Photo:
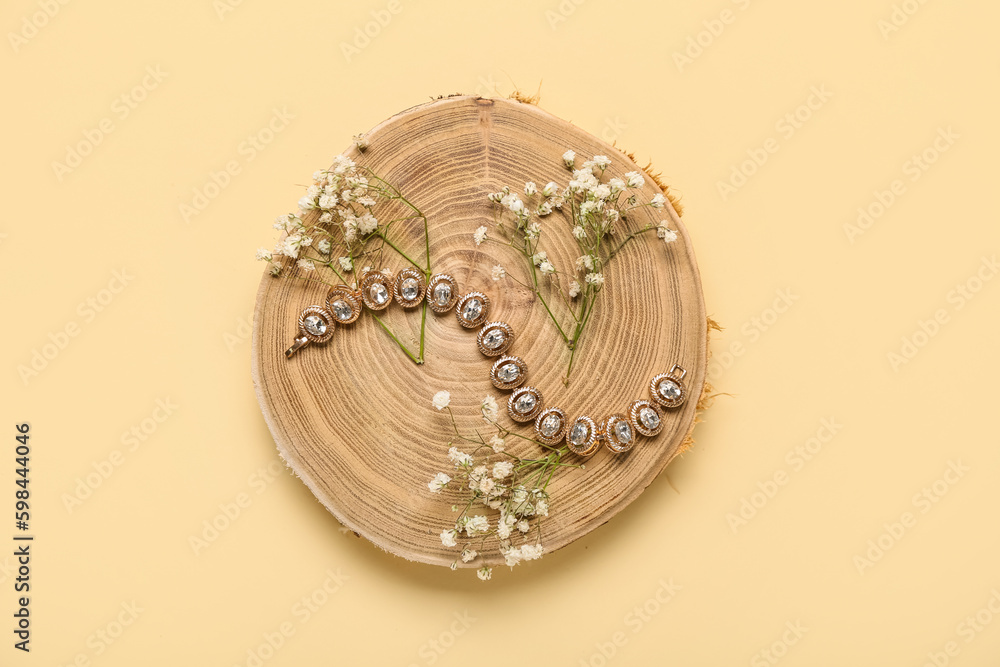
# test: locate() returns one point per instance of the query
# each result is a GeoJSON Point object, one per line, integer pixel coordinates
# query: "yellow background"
{"type": "Point", "coordinates": [177, 330]}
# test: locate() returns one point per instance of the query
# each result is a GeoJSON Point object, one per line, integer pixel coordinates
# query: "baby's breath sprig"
{"type": "Point", "coordinates": [488, 478]}
{"type": "Point", "coordinates": [597, 208]}
{"type": "Point", "coordinates": [336, 229]}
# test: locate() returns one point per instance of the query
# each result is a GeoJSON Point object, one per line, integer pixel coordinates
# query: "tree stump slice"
{"type": "Point", "coordinates": [353, 418]}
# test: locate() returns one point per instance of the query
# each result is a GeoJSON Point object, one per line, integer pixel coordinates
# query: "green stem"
{"type": "Point", "coordinates": [534, 278]}
{"type": "Point", "coordinates": [398, 342]}
{"type": "Point", "coordinates": [382, 235]}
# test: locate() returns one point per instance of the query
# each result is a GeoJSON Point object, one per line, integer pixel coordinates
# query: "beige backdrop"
{"type": "Point", "coordinates": [836, 164]}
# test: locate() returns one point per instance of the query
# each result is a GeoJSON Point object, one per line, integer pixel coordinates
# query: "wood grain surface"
{"type": "Point", "coordinates": [353, 418]}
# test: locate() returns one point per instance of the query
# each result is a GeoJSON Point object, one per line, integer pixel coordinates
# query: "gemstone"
{"type": "Point", "coordinates": [378, 293]}
{"type": "Point", "coordinates": [550, 425]}
{"type": "Point", "coordinates": [525, 403]}
{"type": "Point", "coordinates": [494, 338]}
{"type": "Point", "coordinates": [342, 310]}
{"type": "Point", "coordinates": [623, 431]}
{"type": "Point", "coordinates": [472, 310]}
{"type": "Point", "coordinates": [508, 373]}
{"type": "Point", "coordinates": [442, 293]}
{"type": "Point", "coordinates": [669, 390]}
{"type": "Point", "coordinates": [649, 418]}
{"type": "Point", "coordinates": [315, 325]}
{"type": "Point", "coordinates": [409, 289]}
{"type": "Point", "coordinates": [579, 434]}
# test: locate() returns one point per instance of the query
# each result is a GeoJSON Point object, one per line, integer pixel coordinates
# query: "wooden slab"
{"type": "Point", "coordinates": [353, 418]}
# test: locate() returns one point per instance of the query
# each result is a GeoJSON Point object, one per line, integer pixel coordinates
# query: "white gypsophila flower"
{"type": "Point", "coordinates": [263, 254]}
{"type": "Point", "coordinates": [519, 495]}
{"type": "Point", "coordinates": [453, 566]}
{"type": "Point", "coordinates": [531, 551]}
{"type": "Point", "coordinates": [574, 289]}
{"type": "Point", "coordinates": [512, 557]}
{"type": "Point", "coordinates": [487, 485]}
{"type": "Point", "coordinates": [658, 200]}
{"type": "Point", "coordinates": [306, 241]}
{"type": "Point", "coordinates": [499, 272]}
{"type": "Point", "coordinates": [307, 203]}
{"type": "Point", "coordinates": [550, 189]}
{"type": "Point", "coordinates": [328, 201]}
{"type": "Point", "coordinates": [587, 207]}
{"type": "Point", "coordinates": [458, 457]}
{"type": "Point", "coordinates": [448, 537]}
{"type": "Point", "coordinates": [545, 208]}
{"type": "Point", "coordinates": [326, 216]}
{"type": "Point", "coordinates": [469, 555]}
{"type": "Point", "coordinates": [323, 246]}
{"type": "Point", "coordinates": [485, 573]}
{"type": "Point", "coordinates": [539, 257]}
{"type": "Point", "coordinates": [438, 483]}
{"type": "Point", "coordinates": [530, 188]}
{"type": "Point", "coordinates": [290, 247]}
{"type": "Point", "coordinates": [542, 507]}
{"type": "Point", "coordinates": [350, 232]}
{"type": "Point", "coordinates": [602, 192]}
{"type": "Point", "coordinates": [585, 262]}
{"type": "Point", "coordinates": [616, 185]}
{"type": "Point", "coordinates": [361, 141]}
{"type": "Point", "coordinates": [546, 268]}
{"type": "Point", "coordinates": [668, 235]}
{"type": "Point", "coordinates": [477, 474]}
{"type": "Point", "coordinates": [479, 235]}
{"type": "Point", "coordinates": [497, 443]}
{"type": "Point", "coordinates": [569, 158]}
{"type": "Point", "coordinates": [441, 400]}
{"type": "Point", "coordinates": [305, 264]}
{"type": "Point", "coordinates": [523, 525]}
{"type": "Point", "coordinates": [579, 232]}
{"type": "Point", "coordinates": [367, 224]}
{"type": "Point", "coordinates": [602, 162]}
{"type": "Point", "coordinates": [502, 469]}
{"type": "Point", "coordinates": [635, 179]}
{"type": "Point", "coordinates": [276, 269]}
{"type": "Point", "coordinates": [477, 525]}
{"type": "Point", "coordinates": [532, 230]}
{"type": "Point", "coordinates": [489, 408]}
{"type": "Point", "coordinates": [346, 264]}
{"type": "Point", "coordinates": [596, 279]}
{"type": "Point", "coordinates": [366, 201]}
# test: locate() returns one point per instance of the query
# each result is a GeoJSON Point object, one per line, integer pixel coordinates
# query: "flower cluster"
{"type": "Point", "coordinates": [343, 198]}
{"type": "Point", "coordinates": [336, 226]}
{"type": "Point", "coordinates": [503, 497]}
{"type": "Point", "coordinates": [597, 206]}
